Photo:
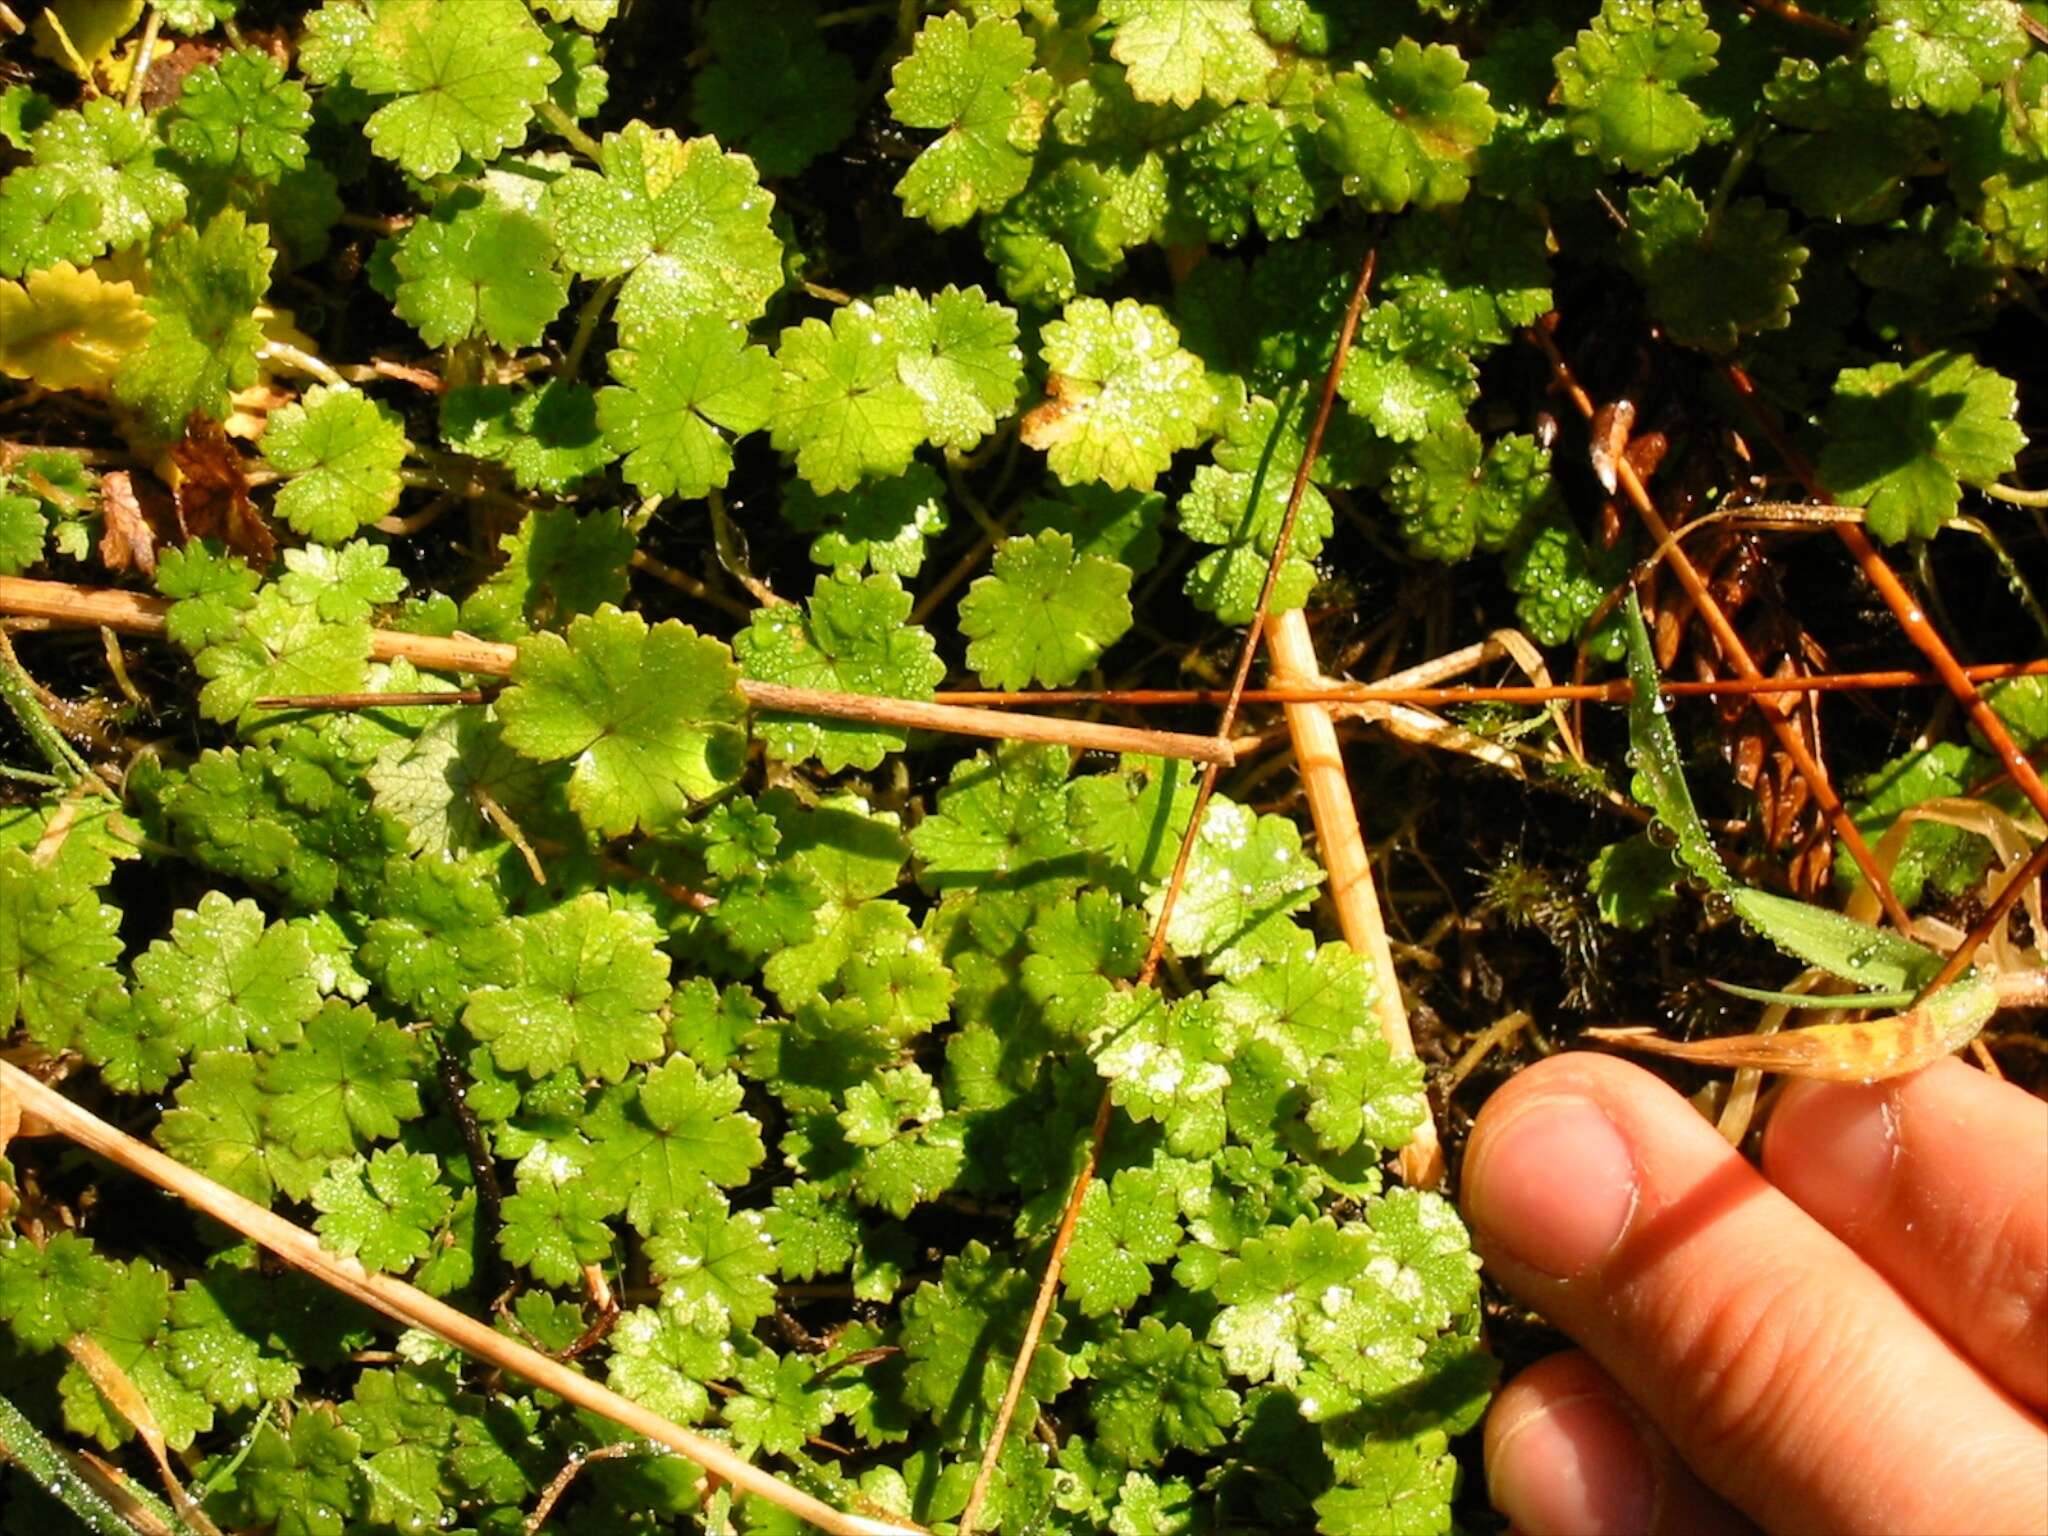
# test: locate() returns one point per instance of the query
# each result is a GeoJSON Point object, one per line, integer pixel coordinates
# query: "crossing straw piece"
{"type": "Point", "coordinates": [132, 613]}
{"type": "Point", "coordinates": [416, 1309]}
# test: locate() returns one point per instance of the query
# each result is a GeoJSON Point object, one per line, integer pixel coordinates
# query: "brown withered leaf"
{"type": "Point", "coordinates": [134, 520]}
{"type": "Point", "coordinates": [213, 494]}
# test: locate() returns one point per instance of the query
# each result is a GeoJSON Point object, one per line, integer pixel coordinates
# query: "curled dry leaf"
{"type": "Point", "coordinates": [129, 531]}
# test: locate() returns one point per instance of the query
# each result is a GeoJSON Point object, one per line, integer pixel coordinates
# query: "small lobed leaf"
{"type": "Point", "coordinates": [585, 991]}
{"type": "Point", "coordinates": [1903, 440]}
{"type": "Point", "coordinates": [383, 1211]}
{"type": "Point", "coordinates": [1122, 395]}
{"type": "Point", "coordinates": [884, 527]}
{"type": "Point", "coordinates": [65, 329]}
{"type": "Point", "coordinates": [773, 89]}
{"type": "Point", "coordinates": [205, 287]}
{"type": "Point", "coordinates": [1622, 82]}
{"type": "Point", "coordinates": [339, 452]}
{"type": "Point", "coordinates": [99, 181]}
{"type": "Point", "coordinates": [242, 117]}
{"type": "Point", "coordinates": [957, 351]}
{"type": "Point", "coordinates": [684, 390]}
{"type": "Point", "coordinates": [976, 82]}
{"type": "Point", "coordinates": [462, 80]}
{"type": "Point", "coordinates": [225, 980]}
{"type": "Point", "coordinates": [1456, 494]}
{"type": "Point", "coordinates": [853, 636]}
{"type": "Point", "coordinates": [549, 437]}
{"type": "Point", "coordinates": [1184, 53]}
{"type": "Point", "coordinates": [682, 223]}
{"type": "Point", "coordinates": [1045, 614]}
{"type": "Point", "coordinates": [1406, 131]}
{"type": "Point", "coordinates": [715, 1268]}
{"type": "Point", "coordinates": [1942, 55]}
{"type": "Point", "coordinates": [842, 405]}
{"type": "Point", "coordinates": [478, 268]}
{"type": "Point", "coordinates": [1713, 279]}
{"type": "Point", "coordinates": [649, 715]}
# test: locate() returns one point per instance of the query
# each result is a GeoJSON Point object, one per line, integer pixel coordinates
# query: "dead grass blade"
{"type": "Point", "coordinates": [414, 1308]}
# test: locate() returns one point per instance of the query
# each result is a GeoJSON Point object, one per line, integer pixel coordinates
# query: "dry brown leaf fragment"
{"type": "Point", "coordinates": [213, 494]}
{"type": "Point", "coordinates": [128, 538]}
{"type": "Point", "coordinates": [1052, 420]}
{"type": "Point", "coordinates": [1611, 426]}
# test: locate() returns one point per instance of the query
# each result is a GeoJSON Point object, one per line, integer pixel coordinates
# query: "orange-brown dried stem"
{"type": "Point", "coordinates": [1904, 606]}
{"type": "Point", "coordinates": [2001, 907]}
{"type": "Point", "coordinates": [1732, 648]}
{"type": "Point", "coordinates": [1616, 691]}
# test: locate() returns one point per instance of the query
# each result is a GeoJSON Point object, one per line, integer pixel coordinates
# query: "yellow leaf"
{"type": "Point", "coordinates": [79, 33]}
{"type": "Point", "coordinates": [68, 329]}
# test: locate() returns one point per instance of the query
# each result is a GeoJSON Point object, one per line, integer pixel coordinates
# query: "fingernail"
{"type": "Point", "coordinates": [1842, 1142]}
{"type": "Point", "coordinates": [1575, 1467]}
{"type": "Point", "coordinates": [1554, 1186]}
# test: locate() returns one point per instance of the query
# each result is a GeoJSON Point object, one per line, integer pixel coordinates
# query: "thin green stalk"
{"type": "Point", "coordinates": [18, 690]}
{"type": "Point", "coordinates": [29, 1449]}
{"type": "Point", "coordinates": [732, 553]}
{"type": "Point", "coordinates": [2017, 495]}
{"type": "Point", "coordinates": [145, 55]}
{"type": "Point", "coordinates": [224, 1473]}
{"type": "Point", "coordinates": [587, 320]}
{"type": "Point", "coordinates": [2015, 579]}
{"type": "Point", "coordinates": [569, 129]}
{"type": "Point", "coordinates": [1738, 162]}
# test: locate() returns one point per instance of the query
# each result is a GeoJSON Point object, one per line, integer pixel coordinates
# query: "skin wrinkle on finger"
{"type": "Point", "coordinates": [1808, 1384]}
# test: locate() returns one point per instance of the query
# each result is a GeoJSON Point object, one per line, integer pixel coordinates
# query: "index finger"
{"type": "Point", "coordinates": [1786, 1371]}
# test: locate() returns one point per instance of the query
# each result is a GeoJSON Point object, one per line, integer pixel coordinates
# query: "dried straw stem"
{"type": "Point", "coordinates": [1049, 1281]}
{"type": "Point", "coordinates": [414, 1308]}
{"type": "Point", "coordinates": [133, 613]}
{"type": "Point", "coordinates": [1342, 845]}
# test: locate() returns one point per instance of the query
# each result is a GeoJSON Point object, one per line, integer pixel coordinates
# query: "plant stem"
{"type": "Point", "coordinates": [29, 1449]}
{"type": "Point", "coordinates": [18, 691]}
{"type": "Point", "coordinates": [286, 355]}
{"type": "Point", "coordinates": [732, 552]}
{"type": "Point", "coordinates": [587, 319]}
{"type": "Point", "coordinates": [1726, 636]}
{"type": "Point", "coordinates": [132, 613]}
{"type": "Point", "coordinates": [569, 129]}
{"type": "Point", "coordinates": [2015, 578]}
{"type": "Point", "coordinates": [2017, 495]}
{"type": "Point", "coordinates": [145, 55]}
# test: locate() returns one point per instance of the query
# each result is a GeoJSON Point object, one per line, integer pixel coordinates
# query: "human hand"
{"type": "Point", "coordinates": [1857, 1343]}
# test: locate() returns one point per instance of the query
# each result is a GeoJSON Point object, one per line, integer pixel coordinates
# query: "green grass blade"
{"type": "Point", "coordinates": [1653, 753]}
